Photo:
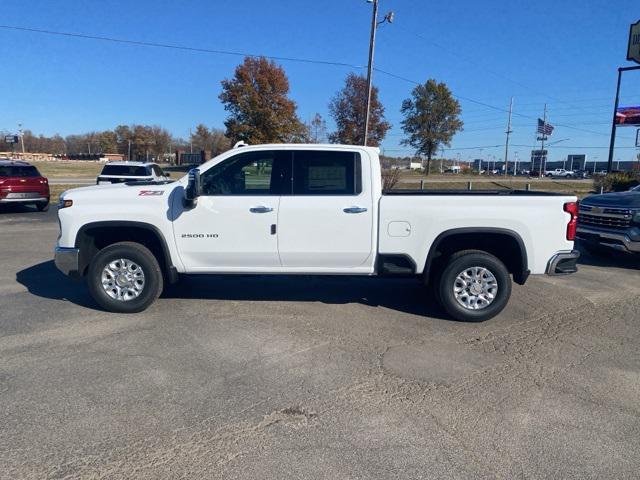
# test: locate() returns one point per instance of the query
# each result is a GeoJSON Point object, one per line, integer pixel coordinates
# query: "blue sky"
{"type": "Point", "coordinates": [564, 53]}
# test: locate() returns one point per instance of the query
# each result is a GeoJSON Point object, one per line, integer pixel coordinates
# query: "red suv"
{"type": "Point", "coordinates": [22, 183]}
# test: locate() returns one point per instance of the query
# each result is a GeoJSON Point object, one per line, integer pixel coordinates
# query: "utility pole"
{"type": "Point", "coordinates": [372, 45]}
{"type": "Point", "coordinates": [190, 142]}
{"type": "Point", "coordinates": [129, 151]}
{"type": "Point", "coordinates": [21, 136]}
{"type": "Point", "coordinates": [506, 145]}
{"type": "Point", "coordinates": [544, 128]}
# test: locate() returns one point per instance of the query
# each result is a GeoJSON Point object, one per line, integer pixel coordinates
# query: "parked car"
{"type": "Point", "coordinates": [311, 209]}
{"type": "Point", "coordinates": [21, 183]}
{"type": "Point", "coordinates": [120, 172]}
{"type": "Point", "coordinates": [610, 221]}
{"type": "Point", "coordinates": [582, 174]}
{"type": "Point", "coordinates": [559, 173]}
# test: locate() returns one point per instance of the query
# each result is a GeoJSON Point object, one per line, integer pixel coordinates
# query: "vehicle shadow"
{"type": "Point", "coordinates": [611, 259]}
{"type": "Point", "coordinates": [46, 281]}
{"type": "Point", "coordinates": [17, 208]}
{"type": "Point", "coordinates": [403, 295]}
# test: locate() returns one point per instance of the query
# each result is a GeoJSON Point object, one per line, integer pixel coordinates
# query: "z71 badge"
{"type": "Point", "coordinates": [148, 193]}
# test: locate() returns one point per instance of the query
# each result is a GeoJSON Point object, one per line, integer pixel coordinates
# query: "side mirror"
{"type": "Point", "coordinates": [167, 174]}
{"type": "Point", "coordinates": [192, 192]}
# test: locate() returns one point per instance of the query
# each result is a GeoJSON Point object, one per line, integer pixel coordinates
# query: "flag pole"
{"type": "Point", "coordinates": [544, 128]}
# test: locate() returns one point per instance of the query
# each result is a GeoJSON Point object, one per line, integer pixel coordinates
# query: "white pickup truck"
{"type": "Point", "coordinates": [310, 209]}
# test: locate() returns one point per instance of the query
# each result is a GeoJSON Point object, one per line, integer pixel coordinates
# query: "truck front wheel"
{"type": "Point", "coordinates": [474, 286]}
{"type": "Point", "coordinates": [125, 278]}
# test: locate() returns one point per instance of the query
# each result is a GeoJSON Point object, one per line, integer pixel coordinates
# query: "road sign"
{"type": "Point", "coordinates": [633, 52]}
{"type": "Point", "coordinates": [638, 138]}
{"type": "Point", "coordinates": [10, 139]}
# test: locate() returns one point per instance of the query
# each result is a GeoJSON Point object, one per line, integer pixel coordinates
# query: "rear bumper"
{"type": "Point", "coordinates": [617, 240]}
{"type": "Point", "coordinates": [563, 263]}
{"type": "Point", "coordinates": [24, 200]}
{"type": "Point", "coordinates": [67, 261]}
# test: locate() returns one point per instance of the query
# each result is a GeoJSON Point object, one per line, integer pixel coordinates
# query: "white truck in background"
{"type": "Point", "coordinates": [310, 209]}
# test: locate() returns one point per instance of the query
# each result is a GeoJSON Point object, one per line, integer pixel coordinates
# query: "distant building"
{"type": "Point", "coordinates": [415, 166]}
{"type": "Point", "coordinates": [576, 162]}
{"type": "Point", "coordinates": [538, 159]}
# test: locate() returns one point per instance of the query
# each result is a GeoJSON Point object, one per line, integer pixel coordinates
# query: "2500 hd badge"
{"type": "Point", "coordinates": [199, 235]}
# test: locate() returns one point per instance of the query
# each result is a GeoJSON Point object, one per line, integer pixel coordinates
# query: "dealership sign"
{"type": "Point", "coordinates": [633, 53]}
{"type": "Point", "coordinates": [11, 139]}
{"type": "Point", "coordinates": [628, 116]}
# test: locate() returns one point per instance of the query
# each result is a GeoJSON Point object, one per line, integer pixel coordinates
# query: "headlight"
{"type": "Point", "coordinates": [64, 203]}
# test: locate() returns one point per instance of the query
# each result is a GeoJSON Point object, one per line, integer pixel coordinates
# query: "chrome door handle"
{"type": "Point", "coordinates": [354, 210]}
{"type": "Point", "coordinates": [261, 209]}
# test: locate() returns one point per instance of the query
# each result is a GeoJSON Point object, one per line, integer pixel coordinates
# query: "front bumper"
{"type": "Point", "coordinates": [563, 263]}
{"type": "Point", "coordinates": [67, 261]}
{"type": "Point", "coordinates": [616, 240]}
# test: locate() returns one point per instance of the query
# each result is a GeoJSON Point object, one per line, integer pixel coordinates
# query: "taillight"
{"type": "Point", "coordinates": [572, 209]}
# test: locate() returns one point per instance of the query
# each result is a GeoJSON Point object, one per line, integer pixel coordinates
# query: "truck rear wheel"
{"type": "Point", "coordinates": [474, 286]}
{"type": "Point", "coordinates": [125, 278]}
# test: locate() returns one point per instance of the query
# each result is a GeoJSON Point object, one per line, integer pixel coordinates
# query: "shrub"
{"type": "Point", "coordinates": [390, 178]}
{"type": "Point", "coordinates": [616, 182]}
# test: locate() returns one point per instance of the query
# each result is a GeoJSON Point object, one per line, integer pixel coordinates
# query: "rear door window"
{"type": "Point", "coordinates": [327, 173]}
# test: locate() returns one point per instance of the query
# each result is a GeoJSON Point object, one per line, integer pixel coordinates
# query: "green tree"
{"type": "Point", "coordinates": [347, 108]}
{"type": "Point", "coordinates": [260, 110]}
{"type": "Point", "coordinates": [431, 119]}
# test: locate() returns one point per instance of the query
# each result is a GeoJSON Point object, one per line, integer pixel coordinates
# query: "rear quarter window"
{"type": "Point", "coordinates": [327, 173]}
{"type": "Point", "coordinates": [126, 170]}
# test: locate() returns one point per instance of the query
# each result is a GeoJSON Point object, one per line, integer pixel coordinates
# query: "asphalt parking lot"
{"type": "Point", "coordinates": [262, 377]}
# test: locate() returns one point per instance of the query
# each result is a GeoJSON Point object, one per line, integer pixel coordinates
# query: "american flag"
{"type": "Point", "coordinates": [544, 128]}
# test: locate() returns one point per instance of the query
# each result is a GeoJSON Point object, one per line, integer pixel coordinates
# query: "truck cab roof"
{"type": "Point", "coordinates": [132, 164]}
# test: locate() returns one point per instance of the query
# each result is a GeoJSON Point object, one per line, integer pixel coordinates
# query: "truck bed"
{"type": "Point", "coordinates": [517, 193]}
{"type": "Point", "coordinates": [411, 220]}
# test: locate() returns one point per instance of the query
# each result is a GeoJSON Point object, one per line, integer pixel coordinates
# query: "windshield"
{"type": "Point", "coordinates": [126, 170]}
{"type": "Point", "coordinates": [18, 171]}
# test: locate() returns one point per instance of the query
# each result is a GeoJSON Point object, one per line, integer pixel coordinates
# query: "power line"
{"type": "Point", "coordinates": [493, 107]}
{"type": "Point", "coordinates": [444, 149]}
{"type": "Point", "coordinates": [457, 54]}
{"type": "Point", "coordinates": [254, 55]}
{"type": "Point", "coordinates": [178, 47]}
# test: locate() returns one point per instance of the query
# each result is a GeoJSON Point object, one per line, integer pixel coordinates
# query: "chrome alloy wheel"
{"type": "Point", "coordinates": [475, 288]}
{"type": "Point", "coordinates": [123, 279]}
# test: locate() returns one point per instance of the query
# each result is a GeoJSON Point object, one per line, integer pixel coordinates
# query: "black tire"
{"type": "Point", "coordinates": [42, 206]}
{"type": "Point", "coordinates": [144, 259]}
{"type": "Point", "coordinates": [457, 264]}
